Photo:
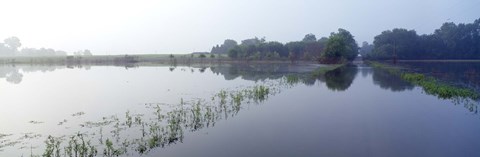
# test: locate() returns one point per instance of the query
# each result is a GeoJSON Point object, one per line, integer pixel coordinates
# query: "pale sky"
{"type": "Point", "coordinates": [183, 26]}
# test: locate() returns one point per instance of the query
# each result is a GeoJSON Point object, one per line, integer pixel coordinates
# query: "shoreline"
{"type": "Point", "coordinates": [433, 60]}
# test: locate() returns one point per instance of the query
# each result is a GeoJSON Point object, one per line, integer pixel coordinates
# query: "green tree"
{"type": "Point", "coordinates": [335, 46]}
{"type": "Point", "coordinates": [309, 38]}
{"type": "Point", "coordinates": [340, 46]}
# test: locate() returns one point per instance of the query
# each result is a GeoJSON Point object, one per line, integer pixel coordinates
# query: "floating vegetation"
{"type": "Point", "coordinates": [62, 122]}
{"type": "Point", "coordinates": [78, 114]}
{"type": "Point", "coordinates": [8, 143]}
{"type": "Point", "coordinates": [4, 135]}
{"type": "Point", "coordinates": [35, 122]}
{"type": "Point", "coordinates": [30, 135]}
{"type": "Point", "coordinates": [441, 90]}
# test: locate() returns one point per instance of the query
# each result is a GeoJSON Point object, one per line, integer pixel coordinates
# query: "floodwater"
{"type": "Point", "coordinates": [228, 110]}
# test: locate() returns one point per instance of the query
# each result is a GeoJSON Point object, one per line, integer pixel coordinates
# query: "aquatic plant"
{"type": "Point", "coordinates": [78, 114]}
{"type": "Point", "coordinates": [292, 79]}
{"type": "Point", "coordinates": [260, 92]}
{"type": "Point", "coordinates": [434, 87]}
{"type": "Point", "coordinates": [162, 128]}
{"type": "Point", "coordinates": [430, 85]}
{"type": "Point", "coordinates": [52, 147]}
{"type": "Point", "coordinates": [129, 119]}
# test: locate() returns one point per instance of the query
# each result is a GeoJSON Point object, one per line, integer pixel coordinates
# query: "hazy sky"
{"type": "Point", "coordinates": [183, 26]}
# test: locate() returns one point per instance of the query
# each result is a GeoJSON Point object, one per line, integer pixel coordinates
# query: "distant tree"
{"type": "Point", "coordinates": [253, 41]}
{"type": "Point", "coordinates": [224, 48]}
{"type": "Point", "coordinates": [450, 41]}
{"type": "Point", "coordinates": [202, 56]}
{"type": "Point", "coordinates": [309, 38]}
{"type": "Point", "coordinates": [404, 42]}
{"type": "Point", "coordinates": [235, 52]}
{"type": "Point", "coordinates": [87, 53]}
{"type": "Point", "coordinates": [13, 43]}
{"type": "Point", "coordinates": [366, 48]}
{"type": "Point", "coordinates": [296, 49]}
{"type": "Point", "coordinates": [323, 40]}
{"type": "Point", "coordinates": [5, 50]}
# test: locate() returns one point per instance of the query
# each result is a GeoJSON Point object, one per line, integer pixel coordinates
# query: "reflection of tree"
{"type": "Point", "coordinates": [14, 77]}
{"type": "Point", "coordinates": [388, 81]}
{"type": "Point", "coordinates": [254, 72]}
{"type": "Point", "coordinates": [463, 74]}
{"type": "Point", "coordinates": [341, 78]}
{"type": "Point", "coordinates": [365, 71]}
{"type": "Point", "coordinates": [14, 73]}
{"type": "Point", "coordinates": [11, 73]}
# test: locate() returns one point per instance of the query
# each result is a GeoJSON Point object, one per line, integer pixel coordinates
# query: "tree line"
{"type": "Point", "coordinates": [10, 47]}
{"type": "Point", "coordinates": [338, 47]}
{"type": "Point", "coordinates": [450, 41]}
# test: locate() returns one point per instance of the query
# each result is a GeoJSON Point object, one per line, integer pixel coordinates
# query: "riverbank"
{"type": "Point", "coordinates": [426, 61]}
{"type": "Point", "coordinates": [141, 59]}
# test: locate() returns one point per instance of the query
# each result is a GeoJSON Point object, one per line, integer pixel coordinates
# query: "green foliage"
{"type": "Point", "coordinates": [335, 46]}
{"type": "Point", "coordinates": [340, 46]}
{"type": "Point", "coordinates": [260, 92]}
{"type": "Point", "coordinates": [434, 87]}
{"type": "Point", "coordinates": [309, 38]}
{"type": "Point", "coordinates": [429, 84]}
{"type": "Point", "coordinates": [77, 146]}
{"type": "Point", "coordinates": [52, 147]}
{"type": "Point", "coordinates": [366, 48]}
{"type": "Point", "coordinates": [450, 41]}
{"type": "Point", "coordinates": [225, 47]}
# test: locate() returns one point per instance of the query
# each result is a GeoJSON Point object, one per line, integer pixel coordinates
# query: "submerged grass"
{"type": "Point", "coordinates": [163, 128]}
{"type": "Point", "coordinates": [430, 85]}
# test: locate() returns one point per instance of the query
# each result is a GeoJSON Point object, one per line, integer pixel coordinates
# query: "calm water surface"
{"type": "Point", "coordinates": [224, 110]}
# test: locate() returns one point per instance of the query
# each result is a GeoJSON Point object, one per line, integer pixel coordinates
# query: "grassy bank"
{"type": "Point", "coordinates": [141, 59]}
{"type": "Point", "coordinates": [430, 85]}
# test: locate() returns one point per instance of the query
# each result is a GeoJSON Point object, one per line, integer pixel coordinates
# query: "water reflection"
{"type": "Point", "coordinates": [464, 74]}
{"type": "Point", "coordinates": [138, 133]}
{"type": "Point", "coordinates": [390, 82]}
{"type": "Point", "coordinates": [14, 73]}
{"type": "Point", "coordinates": [341, 78]}
{"type": "Point", "coordinates": [135, 132]}
{"type": "Point", "coordinates": [11, 74]}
